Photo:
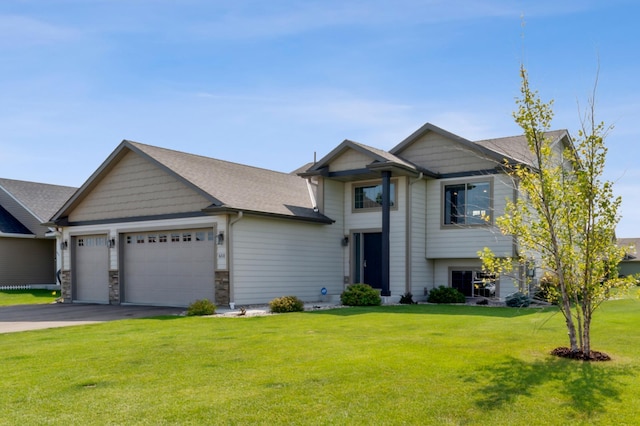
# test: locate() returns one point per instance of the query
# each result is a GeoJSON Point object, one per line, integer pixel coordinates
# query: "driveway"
{"type": "Point", "coordinates": [34, 317]}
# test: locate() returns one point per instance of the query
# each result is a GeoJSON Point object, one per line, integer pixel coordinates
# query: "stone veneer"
{"type": "Point", "coordinates": [222, 288]}
{"type": "Point", "coordinates": [65, 286]}
{"type": "Point", "coordinates": [114, 287]}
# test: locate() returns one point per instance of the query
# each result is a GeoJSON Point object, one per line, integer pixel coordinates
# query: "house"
{"type": "Point", "coordinates": [157, 226]}
{"type": "Point", "coordinates": [630, 264]}
{"type": "Point", "coordinates": [27, 249]}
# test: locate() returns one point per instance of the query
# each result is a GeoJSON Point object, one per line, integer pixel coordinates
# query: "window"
{"type": "Point", "coordinates": [199, 236]}
{"type": "Point", "coordinates": [186, 236]}
{"type": "Point", "coordinates": [369, 196]}
{"type": "Point", "coordinates": [139, 239]}
{"type": "Point", "coordinates": [175, 237]}
{"type": "Point", "coordinates": [152, 238]}
{"type": "Point", "coordinates": [162, 238]}
{"type": "Point", "coordinates": [80, 242]}
{"type": "Point", "coordinates": [467, 203]}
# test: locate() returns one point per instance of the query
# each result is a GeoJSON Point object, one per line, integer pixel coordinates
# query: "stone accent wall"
{"type": "Point", "coordinates": [114, 287]}
{"type": "Point", "coordinates": [65, 286]}
{"type": "Point", "coordinates": [222, 288]}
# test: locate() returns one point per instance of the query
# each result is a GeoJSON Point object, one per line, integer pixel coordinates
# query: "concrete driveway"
{"type": "Point", "coordinates": [34, 317]}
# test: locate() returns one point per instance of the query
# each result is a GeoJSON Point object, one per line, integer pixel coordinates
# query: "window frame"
{"type": "Point", "coordinates": [466, 182]}
{"type": "Point", "coordinates": [373, 183]}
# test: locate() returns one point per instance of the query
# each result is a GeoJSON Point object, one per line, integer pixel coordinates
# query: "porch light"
{"type": "Point", "coordinates": [64, 245]}
{"type": "Point", "coordinates": [345, 241]}
{"type": "Point", "coordinates": [111, 243]}
{"type": "Point", "coordinates": [220, 238]}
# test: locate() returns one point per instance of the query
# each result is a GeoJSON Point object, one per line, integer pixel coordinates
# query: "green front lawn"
{"type": "Point", "coordinates": [419, 364]}
{"type": "Point", "coordinates": [27, 297]}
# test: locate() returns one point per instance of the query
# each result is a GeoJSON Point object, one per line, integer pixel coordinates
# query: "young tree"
{"type": "Point", "coordinates": [564, 218]}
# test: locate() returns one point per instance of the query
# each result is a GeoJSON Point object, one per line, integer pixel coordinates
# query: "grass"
{"type": "Point", "coordinates": [411, 364]}
{"type": "Point", "coordinates": [27, 297]}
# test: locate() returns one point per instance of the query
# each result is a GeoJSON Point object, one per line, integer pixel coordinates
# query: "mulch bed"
{"type": "Point", "coordinates": [580, 355]}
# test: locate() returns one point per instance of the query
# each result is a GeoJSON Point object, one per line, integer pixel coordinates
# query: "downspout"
{"type": "Point", "coordinates": [409, 234]}
{"type": "Point", "coordinates": [230, 256]}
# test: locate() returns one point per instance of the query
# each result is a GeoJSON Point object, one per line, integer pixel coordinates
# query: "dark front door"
{"type": "Point", "coordinates": [463, 282]}
{"type": "Point", "coordinates": [372, 259]}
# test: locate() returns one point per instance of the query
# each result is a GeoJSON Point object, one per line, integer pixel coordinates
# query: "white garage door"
{"type": "Point", "coordinates": [91, 269]}
{"type": "Point", "coordinates": [171, 268]}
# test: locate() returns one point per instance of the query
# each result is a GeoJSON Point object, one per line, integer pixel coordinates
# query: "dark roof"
{"type": "Point", "coordinates": [517, 147]}
{"type": "Point", "coordinates": [11, 225]}
{"type": "Point", "coordinates": [631, 246]}
{"type": "Point", "coordinates": [40, 199]}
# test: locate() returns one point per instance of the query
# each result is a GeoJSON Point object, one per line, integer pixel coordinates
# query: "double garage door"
{"type": "Point", "coordinates": [168, 268]}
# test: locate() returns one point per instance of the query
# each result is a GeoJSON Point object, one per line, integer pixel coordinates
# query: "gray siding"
{"type": "Point", "coordinates": [27, 261]}
{"type": "Point", "coordinates": [442, 155]}
{"type": "Point", "coordinates": [273, 258]}
{"type": "Point", "coordinates": [350, 160]}
{"type": "Point", "coordinates": [136, 187]}
{"type": "Point", "coordinates": [421, 270]}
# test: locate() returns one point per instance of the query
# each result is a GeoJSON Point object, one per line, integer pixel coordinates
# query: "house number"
{"type": "Point", "coordinates": [220, 255]}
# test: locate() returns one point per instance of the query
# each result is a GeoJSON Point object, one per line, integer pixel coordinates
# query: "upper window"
{"type": "Point", "coordinates": [369, 196]}
{"type": "Point", "coordinates": [467, 203]}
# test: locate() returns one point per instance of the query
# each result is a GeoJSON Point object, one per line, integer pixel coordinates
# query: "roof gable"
{"type": "Point", "coordinates": [517, 149]}
{"type": "Point", "coordinates": [224, 185]}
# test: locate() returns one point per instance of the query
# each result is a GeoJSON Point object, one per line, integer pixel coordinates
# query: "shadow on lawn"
{"type": "Point", "coordinates": [432, 309]}
{"type": "Point", "coordinates": [588, 386]}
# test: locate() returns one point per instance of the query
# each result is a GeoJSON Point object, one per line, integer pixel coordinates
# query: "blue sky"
{"type": "Point", "coordinates": [270, 83]}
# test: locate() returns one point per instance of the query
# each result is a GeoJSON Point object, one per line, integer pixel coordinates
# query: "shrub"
{"type": "Point", "coordinates": [285, 304]}
{"type": "Point", "coordinates": [518, 300]}
{"type": "Point", "coordinates": [547, 289]}
{"type": "Point", "coordinates": [444, 294]}
{"type": "Point", "coordinates": [407, 299]}
{"type": "Point", "coordinates": [201, 307]}
{"type": "Point", "coordinates": [360, 295]}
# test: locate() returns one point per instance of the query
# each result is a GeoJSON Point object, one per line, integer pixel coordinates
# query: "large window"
{"type": "Point", "coordinates": [467, 203]}
{"type": "Point", "coordinates": [369, 196]}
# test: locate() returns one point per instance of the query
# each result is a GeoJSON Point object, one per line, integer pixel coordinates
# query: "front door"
{"type": "Point", "coordinates": [367, 257]}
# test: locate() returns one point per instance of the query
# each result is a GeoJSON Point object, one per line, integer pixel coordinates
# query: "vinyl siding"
{"type": "Point", "coordinates": [333, 200]}
{"type": "Point", "coordinates": [442, 155]}
{"type": "Point", "coordinates": [136, 187]}
{"type": "Point", "coordinates": [27, 261]}
{"type": "Point", "coordinates": [465, 242]}
{"type": "Point", "coordinates": [350, 160]}
{"type": "Point", "coordinates": [274, 258]}
{"type": "Point", "coordinates": [421, 270]}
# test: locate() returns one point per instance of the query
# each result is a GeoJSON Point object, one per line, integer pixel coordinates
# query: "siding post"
{"type": "Point", "coordinates": [386, 215]}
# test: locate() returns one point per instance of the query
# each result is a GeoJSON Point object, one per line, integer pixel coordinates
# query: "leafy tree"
{"type": "Point", "coordinates": [565, 216]}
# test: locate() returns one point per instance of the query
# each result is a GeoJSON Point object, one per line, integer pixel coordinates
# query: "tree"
{"type": "Point", "coordinates": [564, 217]}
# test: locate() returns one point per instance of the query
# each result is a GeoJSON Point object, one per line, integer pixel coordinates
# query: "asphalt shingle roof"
{"type": "Point", "coordinates": [238, 186]}
{"type": "Point", "coordinates": [41, 199]}
{"type": "Point", "coordinates": [515, 147]}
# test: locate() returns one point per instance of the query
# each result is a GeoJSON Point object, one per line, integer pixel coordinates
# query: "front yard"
{"type": "Point", "coordinates": [27, 297]}
{"type": "Point", "coordinates": [418, 364]}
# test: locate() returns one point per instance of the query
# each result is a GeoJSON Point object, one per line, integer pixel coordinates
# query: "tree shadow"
{"type": "Point", "coordinates": [433, 309]}
{"type": "Point", "coordinates": [589, 386]}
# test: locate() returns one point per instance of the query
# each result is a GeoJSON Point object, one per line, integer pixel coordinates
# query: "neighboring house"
{"type": "Point", "coordinates": [156, 226]}
{"type": "Point", "coordinates": [28, 249]}
{"type": "Point", "coordinates": [630, 265]}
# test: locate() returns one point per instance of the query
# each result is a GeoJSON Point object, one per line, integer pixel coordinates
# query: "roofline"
{"type": "Point", "coordinates": [105, 166]}
{"type": "Point", "coordinates": [428, 127]}
{"type": "Point", "coordinates": [215, 210]}
{"type": "Point", "coordinates": [20, 203]}
{"type": "Point", "coordinates": [339, 149]}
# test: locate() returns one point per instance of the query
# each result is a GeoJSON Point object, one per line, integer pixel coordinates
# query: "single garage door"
{"type": "Point", "coordinates": [171, 268]}
{"type": "Point", "coordinates": [91, 269]}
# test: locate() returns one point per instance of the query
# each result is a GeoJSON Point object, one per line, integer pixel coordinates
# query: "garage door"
{"type": "Point", "coordinates": [169, 268]}
{"type": "Point", "coordinates": [91, 269]}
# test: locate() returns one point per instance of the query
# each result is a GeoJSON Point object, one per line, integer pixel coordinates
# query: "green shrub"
{"type": "Point", "coordinates": [360, 295]}
{"type": "Point", "coordinates": [201, 307]}
{"type": "Point", "coordinates": [517, 300]}
{"type": "Point", "coordinates": [286, 304]}
{"type": "Point", "coordinates": [444, 294]}
{"type": "Point", "coordinates": [407, 299]}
